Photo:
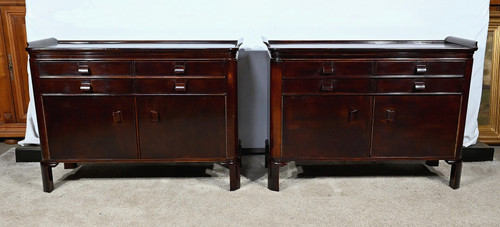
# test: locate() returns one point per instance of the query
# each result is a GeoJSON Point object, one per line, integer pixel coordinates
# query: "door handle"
{"type": "Point", "coordinates": [389, 115]}
{"type": "Point", "coordinates": [154, 115]}
{"type": "Point", "coordinates": [353, 114]}
{"type": "Point", "coordinates": [117, 116]}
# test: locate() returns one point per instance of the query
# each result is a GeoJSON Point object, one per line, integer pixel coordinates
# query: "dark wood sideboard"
{"type": "Point", "coordinates": [135, 102]}
{"type": "Point", "coordinates": [368, 101]}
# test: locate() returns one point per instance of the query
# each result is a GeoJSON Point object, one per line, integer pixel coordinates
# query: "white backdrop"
{"type": "Point", "coordinates": [279, 19]}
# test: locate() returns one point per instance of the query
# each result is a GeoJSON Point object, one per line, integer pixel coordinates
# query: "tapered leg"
{"type": "Point", "coordinates": [456, 174]}
{"type": "Point", "coordinates": [273, 174]}
{"type": "Point", "coordinates": [234, 173]}
{"type": "Point", "coordinates": [70, 165]}
{"type": "Point", "coordinates": [432, 163]}
{"type": "Point", "coordinates": [47, 179]}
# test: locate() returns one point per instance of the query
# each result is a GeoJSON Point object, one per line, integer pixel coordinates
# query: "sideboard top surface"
{"type": "Point", "coordinates": [131, 45]}
{"type": "Point", "coordinates": [450, 44]}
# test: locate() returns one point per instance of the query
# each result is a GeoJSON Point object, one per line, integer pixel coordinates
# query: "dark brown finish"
{"type": "Point", "coordinates": [14, 94]}
{"type": "Point", "coordinates": [70, 165]}
{"type": "Point", "coordinates": [136, 101]}
{"type": "Point", "coordinates": [368, 101]}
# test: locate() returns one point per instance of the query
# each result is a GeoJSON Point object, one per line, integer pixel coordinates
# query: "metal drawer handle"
{"type": "Point", "coordinates": [180, 86]}
{"type": "Point", "coordinates": [327, 68]}
{"type": "Point", "coordinates": [84, 69]}
{"type": "Point", "coordinates": [421, 69]}
{"type": "Point", "coordinates": [179, 68]}
{"type": "Point", "coordinates": [419, 86]}
{"type": "Point", "coordinates": [154, 115]}
{"type": "Point", "coordinates": [86, 86]}
{"type": "Point", "coordinates": [117, 116]}
{"type": "Point", "coordinates": [389, 115]}
{"type": "Point", "coordinates": [327, 85]}
{"type": "Point", "coordinates": [353, 114]}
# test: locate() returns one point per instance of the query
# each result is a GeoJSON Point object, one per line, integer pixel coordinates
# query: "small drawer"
{"type": "Point", "coordinates": [82, 86]}
{"type": "Point", "coordinates": [180, 68]}
{"type": "Point", "coordinates": [419, 85]}
{"type": "Point", "coordinates": [191, 86]}
{"type": "Point", "coordinates": [327, 68]}
{"type": "Point", "coordinates": [327, 85]}
{"type": "Point", "coordinates": [420, 68]}
{"type": "Point", "coordinates": [85, 68]}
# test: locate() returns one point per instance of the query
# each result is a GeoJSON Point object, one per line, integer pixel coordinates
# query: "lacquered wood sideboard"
{"type": "Point", "coordinates": [368, 101]}
{"type": "Point", "coordinates": [135, 102]}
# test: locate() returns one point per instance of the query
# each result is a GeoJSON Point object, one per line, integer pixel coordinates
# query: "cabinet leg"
{"type": "Point", "coordinates": [266, 153]}
{"type": "Point", "coordinates": [47, 179]}
{"type": "Point", "coordinates": [70, 165]}
{"type": "Point", "coordinates": [432, 162]}
{"type": "Point", "coordinates": [456, 174]}
{"type": "Point", "coordinates": [273, 174]}
{"type": "Point", "coordinates": [234, 174]}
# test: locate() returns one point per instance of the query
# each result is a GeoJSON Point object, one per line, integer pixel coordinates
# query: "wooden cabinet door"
{"type": "Point", "coordinates": [14, 30]}
{"type": "Point", "coordinates": [90, 127]}
{"type": "Point", "coordinates": [326, 126]}
{"type": "Point", "coordinates": [415, 126]}
{"type": "Point", "coordinates": [182, 126]}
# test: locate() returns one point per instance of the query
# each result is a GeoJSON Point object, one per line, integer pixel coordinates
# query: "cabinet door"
{"type": "Point", "coordinates": [182, 126]}
{"type": "Point", "coordinates": [415, 126]}
{"type": "Point", "coordinates": [326, 126]}
{"type": "Point", "coordinates": [90, 127]}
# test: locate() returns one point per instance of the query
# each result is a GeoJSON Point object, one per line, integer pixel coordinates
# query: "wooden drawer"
{"type": "Point", "coordinates": [327, 85]}
{"type": "Point", "coordinates": [420, 67]}
{"type": "Point", "coordinates": [192, 86]}
{"type": "Point", "coordinates": [80, 86]}
{"type": "Point", "coordinates": [180, 68]}
{"type": "Point", "coordinates": [419, 85]}
{"type": "Point", "coordinates": [79, 68]}
{"type": "Point", "coordinates": [327, 68]}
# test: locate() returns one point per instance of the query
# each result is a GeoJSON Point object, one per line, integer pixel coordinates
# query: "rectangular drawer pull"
{"type": "Point", "coordinates": [154, 115]}
{"type": "Point", "coordinates": [180, 86]}
{"type": "Point", "coordinates": [389, 115]}
{"type": "Point", "coordinates": [327, 85]}
{"type": "Point", "coordinates": [353, 114]}
{"type": "Point", "coordinates": [84, 69]}
{"type": "Point", "coordinates": [421, 69]}
{"type": "Point", "coordinates": [327, 68]}
{"type": "Point", "coordinates": [179, 68]}
{"type": "Point", "coordinates": [419, 86]}
{"type": "Point", "coordinates": [117, 116]}
{"type": "Point", "coordinates": [86, 87]}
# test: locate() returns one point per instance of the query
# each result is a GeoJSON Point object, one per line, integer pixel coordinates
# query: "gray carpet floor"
{"type": "Point", "coordinates": [369, 194]}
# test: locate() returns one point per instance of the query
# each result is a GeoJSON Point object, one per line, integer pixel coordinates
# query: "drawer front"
{"type": "Point", "coordinates": [420, 68]}
{"type": "Point", "coordinates": [180, 68]}
{"type": "Point", "coordinates": [81, 86]}
{"type": "Point", "coordinates": [327, 68]}
{"type": "Point", "coordinates": [83, 68]}
{"type": "Point", "coordinates": [327, 85]}
{"type": "Point", "coordinates": [419, 85]}
{"type": "Point", "coordinates": [193, 86]}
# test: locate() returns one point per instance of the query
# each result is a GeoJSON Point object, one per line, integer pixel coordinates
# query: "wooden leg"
{"type": "Point", "coordinates": [273, 175]}
{"type": "Point", "coordinates": [266, 153]}
{"type": "Point", "coordinates": [456, 174]}
{"type": "Point", "coordinates": [70, 165]}
{"type": "Point", "coordinates": [47, 179]}
{"type": "Point", "coordinates": [234, 174]}
{"type": "Point", "coordinates": [432, 162]}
